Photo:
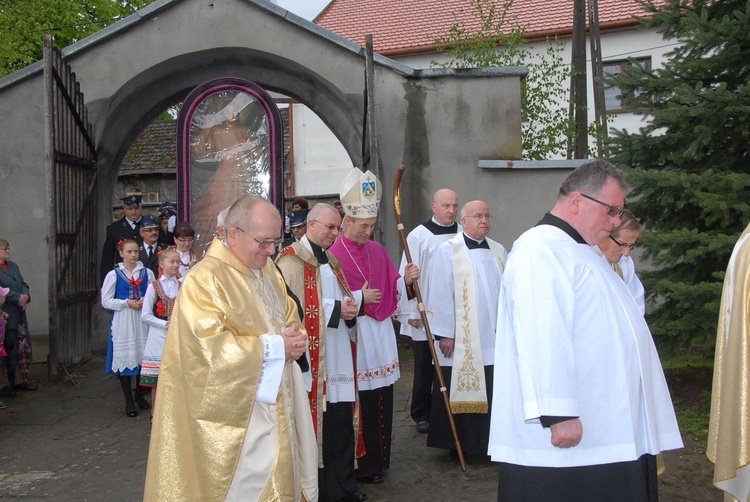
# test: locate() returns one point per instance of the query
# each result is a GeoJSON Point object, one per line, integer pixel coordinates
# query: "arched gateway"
{"type": "Point", "coordinates": [437, 122]}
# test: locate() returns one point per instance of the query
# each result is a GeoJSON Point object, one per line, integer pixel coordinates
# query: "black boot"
{"type": "Point", "coordinates": [129, 402]}
{"type": "Point", "coordinates": [139, 399]}
{"type": "Point", "coordinates": [139, 392]}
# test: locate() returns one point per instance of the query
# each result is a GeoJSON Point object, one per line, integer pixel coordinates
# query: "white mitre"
{"type": "Point", "coordinates": [360, 194]}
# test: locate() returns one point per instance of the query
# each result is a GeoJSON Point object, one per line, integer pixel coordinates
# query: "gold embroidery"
{"type": "Point", "coordinates": [468, 376]}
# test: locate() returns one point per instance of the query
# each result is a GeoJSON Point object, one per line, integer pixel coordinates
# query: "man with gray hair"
{"type": "Point", "coordinates": [581, 407]}
{"type": "Point", "coordinates": [314, 275]}
{"type": "Point", "coordinates": [233, 421]}
{"type": "Point", "coordinates": [464, 285]}
{"type": "Point", "coordinates": [221, 229]}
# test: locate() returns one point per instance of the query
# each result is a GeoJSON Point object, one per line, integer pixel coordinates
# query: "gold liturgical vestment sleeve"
{"type": "Point", "coordinates": [209, 376]}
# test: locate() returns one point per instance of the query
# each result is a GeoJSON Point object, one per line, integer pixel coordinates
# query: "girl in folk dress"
{"type": "Point", "coordinates": [157, 309]}
{"type": "Point", "coordinates": [122, 292]}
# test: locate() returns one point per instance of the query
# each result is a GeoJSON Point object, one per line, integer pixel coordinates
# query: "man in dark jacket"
{"type": "Point", "coordinates": [126, 227]}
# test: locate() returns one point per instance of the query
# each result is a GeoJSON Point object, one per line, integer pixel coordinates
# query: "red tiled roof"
{"type": "Point", "coordinates": [403, 27]}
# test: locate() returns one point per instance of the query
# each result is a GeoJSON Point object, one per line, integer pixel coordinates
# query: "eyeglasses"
{"type": "Point", "coordinates": [265, 242]}
{"type": "Point", "coordinates": [184, 240]}
{"type": "Point", "coordinates": [611, 210]}
{"type": "Point", "coordinates": [622, 244]}
{"type": "Point", "coordinates": [480, 217]}
{"type": "Point", "coordinates": [329, 226]}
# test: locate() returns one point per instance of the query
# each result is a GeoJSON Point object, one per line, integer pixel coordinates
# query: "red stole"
{"type": "Point", "coordinates": [312, 326]}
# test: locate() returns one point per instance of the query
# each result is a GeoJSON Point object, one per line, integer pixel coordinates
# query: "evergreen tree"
{"type": "Point", "coordinates": [23, 24]}
{"type": "Point", "coordinates": [689, 166]}
{"type": "Point", "coordinates": [498, 41]}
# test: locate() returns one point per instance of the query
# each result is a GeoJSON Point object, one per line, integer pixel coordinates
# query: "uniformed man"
{"type": "Point", "coordinates": [150, 246]}
{"type": "Point", "coordinates": [298, 226]}
{"type": "Point", "coordinates": [125, 228]}
{"type": "Point", "coordinates": [168, 220]}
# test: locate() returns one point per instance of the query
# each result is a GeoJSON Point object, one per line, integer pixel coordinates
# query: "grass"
{"type": "Point", "coordinates": [689, 376]}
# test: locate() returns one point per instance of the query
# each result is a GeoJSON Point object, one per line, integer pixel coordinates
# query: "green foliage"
{"type": "Point", "coordinates": [694, 422]}
{"type": "Point", "coordinates": [689, 165]}
{"type": "Point", "coordinates": [23, 24]}
{"type": "Point", "coordinates": [495, 42]}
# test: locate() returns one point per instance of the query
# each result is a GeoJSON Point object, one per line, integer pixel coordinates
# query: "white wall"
{"type": "Point", "coordinates": [615, 47]}
{"type": "Point", "coordinates": [320, 160]}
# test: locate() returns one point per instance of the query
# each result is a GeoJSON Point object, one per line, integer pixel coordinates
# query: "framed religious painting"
{"type": "Point", "coordinates": [229, 144]}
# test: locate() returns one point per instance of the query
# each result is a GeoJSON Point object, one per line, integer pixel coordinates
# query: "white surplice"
{"type": "Point", "coordinates": [487, 275]}
{"type": "Point", "coordinates": [422, 246]}
{"type": "Point", "coordinates": [572, 342]}
{"type": "Point", "coordinates": [634, 284]}
{"type": "Point", "coordinates": [338, 349]}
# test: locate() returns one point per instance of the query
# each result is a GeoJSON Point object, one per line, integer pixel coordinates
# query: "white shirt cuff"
{"type": "Point", "coordinates": [274, 357]}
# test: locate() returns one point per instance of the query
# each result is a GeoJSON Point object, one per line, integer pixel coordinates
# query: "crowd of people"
{"type": "Point", "coordinates": [276, 364]}
{"type": "Point", "coordinates": [275, 356]}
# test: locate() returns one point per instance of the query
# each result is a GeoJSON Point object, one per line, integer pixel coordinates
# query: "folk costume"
{"type": "Point", "coordinates": [187, 260]}
{"type": "Point", "coordinates": [423, 242]}
{"type": "Point", "coordinates": [127, 333]}
{"type": "Point", "coordinates": [572, 343]}
{"type": "Point", "coordinates": [377, 354]}
{"type": "Point", "coordinates": [463, 289]}
{"type": "Point", "coordinates": [158, 303]}
{"type": "Point", "coordinates": [729, 428]}
{"type": "Point", "coordinates": [626, 270]}
{"type": "Point", "coordinates": [315, 277]}
{"type": "Point", "coordinates": [232, 421]}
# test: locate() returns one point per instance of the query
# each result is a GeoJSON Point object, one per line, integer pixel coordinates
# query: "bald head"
{"type": "Point", "coordinates": [253, 225]}
{"type": "Point", "coordinates": [445, 206]}
{"type": "Point", "coordinates": [475, 218]}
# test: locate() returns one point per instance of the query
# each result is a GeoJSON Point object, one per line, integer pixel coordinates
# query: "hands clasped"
{"type": "Point", "coordinates": [295, 342]}
{"type": "Point", "coordinates": [349, 309]}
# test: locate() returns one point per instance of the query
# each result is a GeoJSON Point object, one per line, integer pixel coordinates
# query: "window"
{"type": "Point", "coordinates": [612, 95]}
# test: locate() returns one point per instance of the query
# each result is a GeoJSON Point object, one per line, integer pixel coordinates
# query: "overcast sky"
{"type": "Point", "coordinates": [307, 9]}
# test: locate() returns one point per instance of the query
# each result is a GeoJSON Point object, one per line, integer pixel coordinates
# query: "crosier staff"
{"type": "Point", "coordinates": [423, 314]}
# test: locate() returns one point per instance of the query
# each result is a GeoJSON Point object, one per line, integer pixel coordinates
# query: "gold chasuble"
{"type": "Point", "coordinates": [729, 426]}
{"type": "Point", "coordinates": [209, 376]}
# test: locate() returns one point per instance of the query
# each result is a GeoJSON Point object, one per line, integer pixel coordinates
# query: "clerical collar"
{"type": "Point", "coordinates": [438, 229]}
{"type": "Point", "coordinates": [475, 244]}
{"type": "Point", "coordinates": [319, 252]}
{"type": "Point", "coordinates": [551, 219]}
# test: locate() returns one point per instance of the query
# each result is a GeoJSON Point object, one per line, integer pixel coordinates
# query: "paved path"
{"type": "Point", "coordinates": [65, 442]}
{"type": "Point", "coordinates": [74, 443]}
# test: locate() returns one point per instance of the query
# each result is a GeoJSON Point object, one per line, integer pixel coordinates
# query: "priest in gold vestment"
{"type": "Point", "coordinates": [729, 427]}
{"type": "Point", "coordinates": [233, 421]}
